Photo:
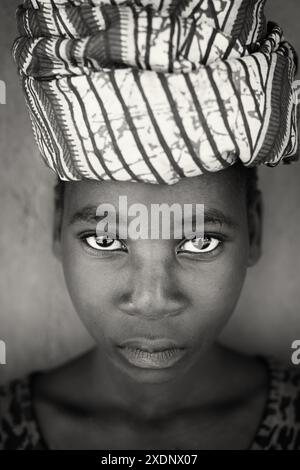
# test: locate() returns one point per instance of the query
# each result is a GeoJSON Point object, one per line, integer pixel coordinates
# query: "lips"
{"type": "Point", "coordinates": [152, 354]}
{"type": "Point", "coordinates": [151, 345]}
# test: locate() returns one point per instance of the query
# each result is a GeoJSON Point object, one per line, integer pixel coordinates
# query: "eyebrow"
{"type": "Point", "coordinates": [216, 216]}
{"type": "Point", "coordinates": [88, 214]}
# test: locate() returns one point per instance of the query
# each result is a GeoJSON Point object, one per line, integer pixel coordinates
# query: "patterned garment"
{"type": "Point", "coordinates": [156, 90]}
{"type": "Point", "coordinates": [279, 428]}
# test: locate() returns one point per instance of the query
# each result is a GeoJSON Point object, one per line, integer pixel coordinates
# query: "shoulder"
{"type": "Point", "coordinates": [280, 428]}
{"type": "Point", "coordinates": [17, 426]}
{"type": "Point", "coordinates": [287, 399]}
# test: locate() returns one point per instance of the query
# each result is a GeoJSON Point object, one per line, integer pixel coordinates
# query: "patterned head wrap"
{"type": "Point", "coordinates": [156, 90]}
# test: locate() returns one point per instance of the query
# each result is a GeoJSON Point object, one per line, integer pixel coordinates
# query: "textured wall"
{"type": "Point", "coordinates": [37, 320]}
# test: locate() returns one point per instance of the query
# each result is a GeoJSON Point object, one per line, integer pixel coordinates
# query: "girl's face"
{"type": "Point", "coordinates": [158, 294]}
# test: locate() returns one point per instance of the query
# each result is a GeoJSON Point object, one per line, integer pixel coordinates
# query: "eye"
{"type": "Point", "coordinates": [104, 243]}
{"type": "Point", "coordinates": [206, 244]}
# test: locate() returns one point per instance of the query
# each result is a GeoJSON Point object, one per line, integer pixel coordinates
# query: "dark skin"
{"type": "Point", "coordinates": [212, 398]}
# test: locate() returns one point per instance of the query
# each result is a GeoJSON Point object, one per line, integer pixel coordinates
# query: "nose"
{"type": "Point", "coordinates": [152, 290]}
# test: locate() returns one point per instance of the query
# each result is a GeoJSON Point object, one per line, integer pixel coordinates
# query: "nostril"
{"type": "Point", "coordinates": [153, 310]}
{"type": "Point", "coordinates": [152, 293]}
{"type": "Point", "coordinates": [152, 316]}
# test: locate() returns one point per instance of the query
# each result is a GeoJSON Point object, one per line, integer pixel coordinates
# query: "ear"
{"type": "Point", "coordinates": [56, 239]}
{"type": "Point", "coordinates": [255, 224]}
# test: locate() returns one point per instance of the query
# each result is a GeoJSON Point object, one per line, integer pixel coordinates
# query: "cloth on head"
{"type": "Point", "coordinates": [156, 90]}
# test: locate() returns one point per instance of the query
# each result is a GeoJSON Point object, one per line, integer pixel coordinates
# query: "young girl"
{"type": "Point", "coordinates": [161, 102]}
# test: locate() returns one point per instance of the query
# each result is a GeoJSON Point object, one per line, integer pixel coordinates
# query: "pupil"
{"type": "Point", "coordinates": [105, 241]}
{"type": "Point", "coordinates": [201, 243]}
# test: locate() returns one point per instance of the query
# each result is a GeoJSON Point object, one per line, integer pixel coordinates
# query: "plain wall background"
{"type": "Point", "coordinates": [37, 320]}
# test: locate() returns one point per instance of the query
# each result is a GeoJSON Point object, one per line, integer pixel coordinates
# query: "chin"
{"type": "Point", "coordinates": [152, 371]}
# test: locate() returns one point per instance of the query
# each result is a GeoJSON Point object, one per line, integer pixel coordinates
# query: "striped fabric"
{"type": "Point", "coordinates": [156, 90]}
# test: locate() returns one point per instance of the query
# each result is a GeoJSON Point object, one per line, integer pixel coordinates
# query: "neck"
{"type": "Point", "coordinates": [202, 384]}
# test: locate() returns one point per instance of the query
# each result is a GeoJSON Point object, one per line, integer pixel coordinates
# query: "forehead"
{"type": "Point", "coordinates": [219, 189]}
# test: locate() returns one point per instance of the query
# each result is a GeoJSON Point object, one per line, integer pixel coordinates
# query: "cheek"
{"type": "Point", "coordinates": [91, 296]}
{"type": "Point", "coordinates": [215, 288]}
{"type": "Point", "coordinates": [90, 284]}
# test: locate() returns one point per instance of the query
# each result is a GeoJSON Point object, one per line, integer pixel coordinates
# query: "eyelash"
{"type": "Point", "coordinates": [83, 238]}
{"type": "Point", "coordinates": [208, 235]}
{"type": "Point", "coordinates": [205, 254]}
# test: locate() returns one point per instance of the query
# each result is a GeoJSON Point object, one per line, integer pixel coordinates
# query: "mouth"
{"type": "Point", "coordinates": [151, 354]}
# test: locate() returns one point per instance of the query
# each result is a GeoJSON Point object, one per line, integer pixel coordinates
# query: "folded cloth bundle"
{"type": "Point", "coordinates": [156, 90]}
